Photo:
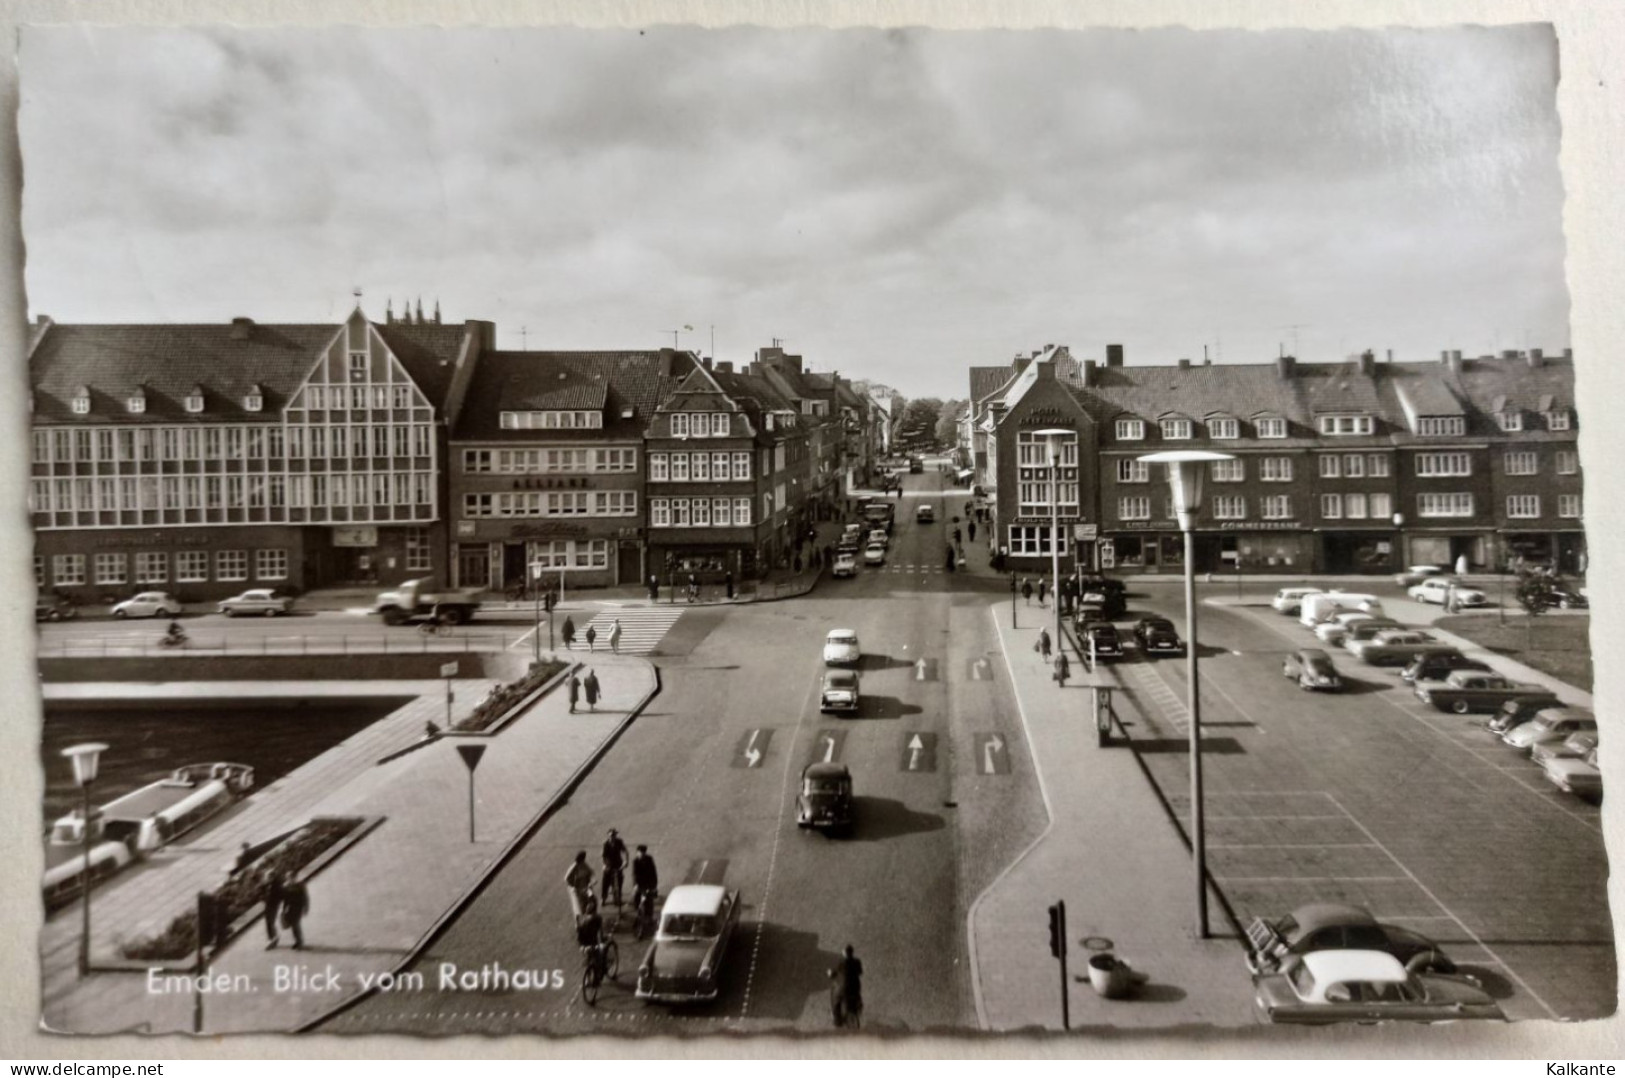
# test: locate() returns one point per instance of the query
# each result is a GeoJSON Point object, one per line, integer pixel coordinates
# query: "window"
{"type": "Point", "coordinates": [1331, 506]}
{"type": "Point", "coordinates": [719, 466]}
{"type": "Point", "coordinates": [82, 446]}
{"type": "Point", "coordinates": [68, 569]}
{"type": "Point", "coordinates": [679, 425]}
{"type": "Point", "coordinates": [1354, 466]}
{"type": "Point", "coordinates": [1275, 469]}
{"type": "Point", "coordinates": [253, 403]}
{"type": "Point", "coordinates": [1276, 507]}
{"type": "Point", "coordinates": [400, 396]}
{"type": "Point", "coordinates": [358, 364]}
{"type": "Point", "coordinates": [1568, 462]}
{"type": "Point", "coordinates": [151, 567]}
{"type": "Point", "coordinates": [1523, 506]}
{"type": "Point", "coordinates": [476, 460]}
{"type": "Point", "coordinates": [1557, 420]}
{"type": "Point", "coordinates": [680, 517]}
{"type": "Point", "coordinates": [657, 467]}
{"type": "Point", "coordinates": [1134, 508]}
{"type": "Point", "coordinates": [1176, 428]}
{"type": "Point", "coordinates": [1229, 471]}
{"type": "Point", "coordinates": [1331, 466]}
{"type": "Point", "coordinates": [212, 496]}
{"type": "Point", "coordinates": [62, 445]}
{"type": "Point", "coordinates": [1522, 462]}
{"type": "Point", "coordinates": [42, 447]}
{"type": "Point", "coordinates": [615, 503]}
{"type": "Point", "coordinates": [231, 565]}
{"type": "Point", "coordinates": [1382, 506]}
{"type": "Point", "coordinates": [380, 488]}
{"type": "Point", "coordinates": [339, 491]}
{"type": "Point", "coordinates": [1133, 471]}
{"type": "Point", "coordinates": [194, 402]}
{"type": "Point", "coordinates": [39, 500]}
{"type": "Point", "coordinates": [171, 485]}
{"type": "Point", "coordinates": [234, 443]}
{"type": "Point", "coordinates": [719, 424]}
{"type": "Point", "coordinates": [1435, 464]}
{"type": "Point", "coordinates": [421, 492]}
{"type": "Point", "coordinates": [81, 405]}
{"type": "Point", "coordinates": [1444, 505]}
{"type": "Point", "coordinates": [1441, 425]}
{"type": "Point", "coordinates": [659, 513]}
{"type": "Point", "coordinates": [1131, 430]}
{"type": "Point", "coordinates": [576, 420]}
{"type": "Point", "coordinates": [271, 564]}
{"type": "Point", "coordinates": [1568, 506]}
{"type": "Point", "coordinates": [1510, 420]}
{"type": "Point", "coordinates": [1354, 506]}
{"type": "Point", "coordinates": [318, 442]}
{"type": "Point", "coordinates": [567, 503]}
{"type": "Point", "coordinates": [1223, 428]}
{"type": "Point", "coordinates": [112, 569]}
{"type": "Point", "coordinates": [1376, 465]}
{"type": "Point", "coordinates": [420, 439]}
{"type": "Point", "coordinates": [1035, 540]}
{"type": "Point", "coordinates": [316, 396]}
{"type": "Point", "coordinates": [234, 492]}
{"type": "Point", "coordinates": [1270, 427]}
{"type": "Point", "coordinates": [701, 468]}
{"type": "Point", "coordinates": [1345, 424]}
{"type": "Point", "coordinates": [1229, 507]}
{"type": "Point", "coordinates": [702, 512]}
{"type": "Point", "coordinates": [679, 467]}
{"type": "Point", "coordinates": [191, 566]}
{"type": "Point", "coordinates": [104, 445]}
{"type": "Point", "coordinates": [136, 404]}
{"type": "Point", "coordinates": [318, 492]}
{"type": "Point", "coordinates": [741, 512]}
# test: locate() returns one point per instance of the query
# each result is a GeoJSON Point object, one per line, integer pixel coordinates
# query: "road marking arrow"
{"type": "Point", "coordinates": [753, 755]}
{"type": "Point", "coordinates": [919, 670]}
{"type": "Point", "coordinates": [991, 748]}
{"type": "Point", "coordinates": [829, 748]}
{"type": "Point", "coordinates": [915, 745]}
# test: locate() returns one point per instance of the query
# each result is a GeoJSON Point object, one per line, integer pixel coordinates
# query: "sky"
{"type": "Point", "coordinates": [897, 205]}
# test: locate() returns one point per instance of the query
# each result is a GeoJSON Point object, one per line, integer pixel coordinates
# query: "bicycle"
{"type": "Point", "coordinates": [612, 879]}
{"type": "Point", "coordinates": [598, 963]}
{"type": "Point", "coordinates": [643, 913]}
{"type": "Point", "coordinates": [431, 628]}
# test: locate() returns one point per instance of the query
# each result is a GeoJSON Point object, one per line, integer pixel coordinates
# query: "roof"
{"type": "Point", "coordinates": [1330, 967]}
{"type": "Point", "coordinates": [704, 899]}
{"type": "Point", "coordinates": [748, 387]}
{"type": "Point", "coordinates": [427, 351]}
{"type": "Point", "coordinates": [609, 382]}
{"type": "Point", "coordinates": [1313, 915]}
{"type": "Point", "coordinates": [986, 381]}
{"type": "Point", "coordinates": [821, 770]}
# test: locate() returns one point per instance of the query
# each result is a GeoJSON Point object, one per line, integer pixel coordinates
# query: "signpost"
{"type": "Point", "coordinates": [448, 671]}
{"type": "Point", "coordinates": [1057, 947]}
{"type": "Point", "coordinates": [471, 759]}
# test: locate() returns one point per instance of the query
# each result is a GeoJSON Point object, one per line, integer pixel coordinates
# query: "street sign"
{"type": "Point", "coordinates": [980, 670]}
{"type": "Point", "coordinates": [448, 670]}
{"type": "Point", "coordinates": [992, 755]}
{"type": "Point", "coordinates": [827, 745]}
{"type": "Point", "coordinates": [919, 752]}
{"type": "Point", "coordinates": [752, 748]}
{"type": "Point", "coordinates": [471, 755]}
{"type": "Point", "coordinates": [1087, 533]}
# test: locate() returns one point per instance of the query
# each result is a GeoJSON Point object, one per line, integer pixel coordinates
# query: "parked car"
{"type": "Point", "coordinates": [874, 554]}
{"type": "Point", "coordinates": [878, 536]}
{"type": "Point", "coordinates": [1290, 600]}
{"type": "Point", "coordinates": [148, 604]}
{"type": "Point", "coordinates": [1393, 647]}
{"type": "Point", "coordinates": [263, 601]}
{"type": "Point", "coordinates": [1574, 747]}
{"type": "Point", "coordinates": [1334, 926]}
{"type": "Point", "coordinates": [1436, 589]}
{"type": "Point", "coordinates": [1312, 668]}
{"type": "Point", "coordinates": [1553, 724]}
{"type": "Point", "coordinates": [1520, 709]}
{"type": "Point", "coordinates": [1470, 690]}
{"type": "Point", "coordinates": [684, 963]}
{"type": "Point", "coordinates": [1436, 662]}
{"type": "Point", "coordinates": [54, 608]}
{"type": "Point", "coordinates": [1337, 630]}
{"type": "Point", "coordinates": [825, 799]}
{"type": "Point", "coordinates": [1581, 777]}
{"type": "Point", "coordinates": [840, 691]}
{"type": "Point", "coordinates": [1102, 636]}
{"type": "Point", "coordinates": [1568, 596]}
{"type": "Point", "coordinates": [845, 565]}
{"type": "Point", "coordinates": [1418, 573]}
{"type": "Point", "coordinates": [1157, 636]}
{"type": "Point", "coordinates": [1367, 986]}
{"type": "Point", "coordinates": [841, 648]}
{"type": "Point", "coordinates": [924, 514]}
{"type": "Point", "coordinates": [849, 543]}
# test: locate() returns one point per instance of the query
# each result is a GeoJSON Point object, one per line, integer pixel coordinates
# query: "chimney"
{"type": "Point", "coordinates": [724, 366]}
{"type": "Point", "coordinates": [1020, 363]}
{"type": "Point", "coordinates": [1568, 353]}
{"type": "Point", "coordinates": [1046, 370]}
{"type": "Point", "coordinates": [1184, 364]}
{"type": "Point", "coordinates": [1455, 362]}
{"type": "Point", "coordinates": [1088, 372]}
{"type": "Point", "coordinates": [1368, 362]}
{"type": "Point", "coordinates": [1114, 355]}
{"type": "Point", "coordinates": [1456, 355]}
{"type": "Point", "coordinates": [1444, 356]}
{"type": "Point", "coordinates": [705, 361]}
{"type": "Point", "coordinates": [1509, 353]}
{"type": "Point", "coordinates": [1284, 365]}
{"type": "Point", "coordinates": [1390, 355]}
{"type": "Point", "coordinates": [1537, 357]}
{"type": "Point", "coordinates": [241, 328]}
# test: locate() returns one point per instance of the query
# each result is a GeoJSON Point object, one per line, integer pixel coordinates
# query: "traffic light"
{"type": "Point", "coordinates": [1057, 929]}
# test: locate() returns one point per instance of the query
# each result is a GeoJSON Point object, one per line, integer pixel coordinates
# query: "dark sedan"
{"type": "Point", "coordinates": [1437, 663]}
{"type": "Point", "coordinates": [1470, 690]}
{"type": "Point", "coordinates": [1157, 636]}
{"type": "Point", "coordinates": [1312, 668]}
{"type": "Point", "coordinates": [1100, 639]}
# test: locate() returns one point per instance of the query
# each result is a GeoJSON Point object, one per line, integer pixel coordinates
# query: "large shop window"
{"type": "Point", "coordinates": [231, 565]}
{"type": "Point", "coordinates": [1032, 539]}
{"type": "Point", "coordinates": [152, 567]}
{"type": "Point", "coordinates": [191, 566]}
{"type": "Point", "coordinates": [271, 564]}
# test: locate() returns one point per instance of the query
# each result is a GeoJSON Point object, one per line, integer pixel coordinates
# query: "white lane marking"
{"type": "Point", "coordinates": [1290, 845]}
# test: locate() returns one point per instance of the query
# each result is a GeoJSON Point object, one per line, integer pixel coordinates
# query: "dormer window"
{"type": "Point", "coordinates": [1348, 424]}
{"type": "Point", "coordinates": [81, 400]}
{"type": "Point", "coordinates": [1176, 428]}
{"type": "Point", "coordinates": [136, 403]}
{"type": "Point", "coordinates": [1441, 425]}
{"type": "Point", "coordinates": [679, 425]}
{"type": "Point", "coordinates": [194, 399]}
{"type": "Point", "coordinates": [1509, 420]}
{"type": "Point", "coordinates": [1130, 430]}
{"type": "Point", "coordinates": [1223, 428]}
{"type": "Point", "coordinates": [254, 401]}
{"type": "Point", "coordinates": [1270, 427]}
{"type": "Point", "coordinates": [1558, 420]}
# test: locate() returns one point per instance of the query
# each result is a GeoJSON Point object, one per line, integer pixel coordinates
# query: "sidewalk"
{"type": "Point", "coordinates": [372, 908]}
{"type": "Point", "coordinates": [1114, 856]}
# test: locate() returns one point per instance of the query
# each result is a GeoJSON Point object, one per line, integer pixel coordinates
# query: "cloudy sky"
{"type": "Point", "coordinates": [897, 205]}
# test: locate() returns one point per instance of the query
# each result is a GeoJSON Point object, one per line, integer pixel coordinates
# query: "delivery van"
{"type": "Point", "coordinates": [1317, 608]}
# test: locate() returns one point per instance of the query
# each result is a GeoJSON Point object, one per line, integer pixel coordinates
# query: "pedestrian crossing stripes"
{"type": "Point", "coordinates": [642, 628]}
{"type": "Point", "coordinates": [1161, 696]}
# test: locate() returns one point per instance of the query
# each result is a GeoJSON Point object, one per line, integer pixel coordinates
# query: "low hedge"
{"type": "Point", "coordinates": [503, 698]}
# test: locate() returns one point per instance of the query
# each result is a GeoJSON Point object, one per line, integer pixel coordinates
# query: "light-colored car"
{"type": "Point", "coordinates": [1576, 746]}
{"type": "Point", "coordinates": [1290, 600]}
{"type": "Point", "coordinates": [841, 648]}
{"type": "Point", "coordinates": [1368, 630]}
{"type": "Point", "coordinates": [1275, 947]}
{"type": "Point", "coordinates": [1581, 776]}
{"type": "Point", "coordinates": [1437, 589]}
{"type": "Point", "coordinates": [1312, 669]}
{"type": "Point", "coordinates": [148, 604]}
{"type": "Point", "coordinates": [874, 554]}
{"type": "Point", "coordinates": [878, 536]}
{"type": "Point", "coordinates": [1418, 573]}
{"type": "Point", "coordinates": [1333, 630]}
{"type": "Point", "coordinates": [1552, 725]}
{"type": "Point", "coordinates": [684, 963]}
{"type": "Point", "coordinates": [263, 601]}
{"type": "Point", "coordinates": [845, 565]}
{"type": "Point", "coordinates": [1367, 986]}
{"type": "Point", "coordinates": [1471, 690]}
{"type": "Point", "coordinates": [925, 514]}
{"type": "Point", "coordinates": [1393, 647]}
{"type": "Point", "coordinates": [840, 691]}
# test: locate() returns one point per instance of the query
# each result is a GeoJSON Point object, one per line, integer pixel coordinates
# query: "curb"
{"type": "Point", "coordinates": [520, 837]}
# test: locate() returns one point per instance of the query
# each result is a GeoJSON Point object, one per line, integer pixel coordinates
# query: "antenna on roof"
{"type": "Point", "coordinates": [356, 292]}
{"type": "Point", "coordinates": [524, 339]}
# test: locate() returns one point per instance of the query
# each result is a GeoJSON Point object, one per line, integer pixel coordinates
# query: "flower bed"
{"type": "Point", "coordinates": [504, 697]}
{"type": "Point", "coordinates": [245, 890]}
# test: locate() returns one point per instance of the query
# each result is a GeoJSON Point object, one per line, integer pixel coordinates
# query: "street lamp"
{"type": "Point", "coordinates": [1053, 437]}
{"type": "Point", "coordinates": [1185, 473]}
{"type": "Point", "coordinates": [85, 759]}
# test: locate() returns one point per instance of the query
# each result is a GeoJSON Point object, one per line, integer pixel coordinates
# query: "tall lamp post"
{"type": "Point", "coordinates": [1186, 468]}
{"type": "Point", "coordinates": [1053, 438]}
{"type": "Point", "coordinates": [85, 759]}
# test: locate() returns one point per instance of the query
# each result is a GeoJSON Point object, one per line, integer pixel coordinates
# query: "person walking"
{"type": "Point", "coordinates": [568, 632]}
{"type": "Point", "coordinates": [615, 636]}
{"type": "Point", "coordinates": [847, 987]}
{"type": "Point", "coordinates": [591, 685]}
{"type": "Point", "coordinates": [959, 536]}
{"type": "Point", "coordinates": [1044, 644]}
{"type": "Point", "coordinates": [728, 582]}
{"type": "Point", "coordinates": [614, 858]}
{"type": "Point", "coordinates": [575, 690]}
{"type": "Point", "coordinates": [970, 529]}
{"type": "Point", "coordinates": [654, 588]}
{"type": "Point", "coordinates": [273, 910]}
{"type": "Point", "coordinates": [295, 904]}
{"type": "Point", "coordinates": [592, 637]}
{"type": "Point", "coordinates": [693, 587]}
{"type": "Point", "coordinates": [1063, 669]}
{"type": "Point", "coordinates": [1027, 590]}
{"type": "Point", "coordinates": [1043, 587]}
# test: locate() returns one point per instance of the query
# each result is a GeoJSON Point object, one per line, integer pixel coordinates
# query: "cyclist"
{"type": "Point", "coordinates": [175, 634]}
{"type": "Point", "coordinates": [847, 990]}
{"type": "Point", "coordinates": [645, 881]}
{"type": "Point", "coordinates": [614, 865]}
{"type": "Point", "coordinates": [579, 880]}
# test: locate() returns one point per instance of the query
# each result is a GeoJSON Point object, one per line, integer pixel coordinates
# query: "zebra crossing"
{"type": "Point", "coordinates": [642, 628]}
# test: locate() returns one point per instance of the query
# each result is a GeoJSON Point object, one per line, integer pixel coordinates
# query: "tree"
{"type": "Point", "coordinates": [947, 429]}
{"type": "Point", "coordinates": [1536, 595]}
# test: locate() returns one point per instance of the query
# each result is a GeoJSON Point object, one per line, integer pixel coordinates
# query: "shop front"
{"type": "Point", "coordinates": [1376, 550]}
{"type": "Point", "coordinates": [1254, 548]}
{"type": "Point", "coordinates": [1447, 549]}
{"type": "Point", "coordinates": [710, 559]}
{"type": "Point", "coordinates": [1564, 551]}
{"type": "Point", "coordinates": [495, 556]}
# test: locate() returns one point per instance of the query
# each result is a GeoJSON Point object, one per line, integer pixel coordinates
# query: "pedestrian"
{"type": "Point", "coordinates": [959, 537]}
{"type": "Point", "coordinates": [591, 685]}
{"type": "Point", "coordinates": [971, 530]}
{"type": "Point", "coordinates": [1063, 669]}
{"type": "Point", "coordinates": [693, 587]}
{"type": "Point", "coordinates": [654, 588]}
{"type": "Point", "coordinates": [1044, 644]}
{"type": "Point", "coordinates": [295, 904]}
{"type": "Point", "coordinates": [829, 551]}
{"type": "Point", "coordinates": [430, 730]}
{"type": "Point", "coordinates": [578, 880]}
{"type": "Point", "coordinates": [615, 637]}
{"type": "Point", "coordinates": [1027, 590]}
{"type": "Point", "coordinates": [569, 632]}
{"type": "Point", "coordinates": [592, 635]}
{"type": "Point", "coordinates": [245, 857]}
{"type": "Point", "coordinates": [575, 690]}
{"type": "Point", "coordinates": [274, 896]}
{"type": "Point", "coordinates": [728, 582]}
{"type": "Point", "coordinates": [1043, 586]}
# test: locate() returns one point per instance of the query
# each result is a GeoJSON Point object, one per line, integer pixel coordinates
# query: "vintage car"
{"type": "Point", "coordinates": [841, 648]}
{"type": "Point", "coordinates": [1577, 746]}
{"type": "Point", "coordinates": [850, 543]}
{"type": "Point", "coordinates": [840, 691]}
{"type": "Point", "coordinates": [1100, 637]}
{"type": "Point", "coordinates": [1336, 629]}
{"type": "Point", "coordinates": [263, 601]}
{"type": "Point", "coordinates": [1368, 630]}
{"type": "Point", "coordinates": [825, 798]}
{"type": "Point", "coordinates": [1437, 589]}
{"type": "Point", "coordinates": [54, 608]}
{"type": "Point", "coordinates": [148, 604]}
{"type": "Point", "coordinates": [845, 565]}
{"type": "Point", "coordinates": [1157, 636]}
{"type": "Point", "coordinates": [1290, 600]}
{"type": "Point", "coordinates": [1553, 724]}
{"type": "Point", "coordinates": [1100, 598]}
{"type": "Point", "coordinates": [1418, 573]}
{"type": "Point", "coordinates": [1367, 986]}
{"type": "Point", "coordinates": [1581, 776]}
{"type": "Point", "coordinates": [1469, 690]}
{"type": "Point", "coordinates": [1393, 647]}
{"type": "Point", "coordinates": [1334, 926]}
{"type": "Point", "coordinates": [1312, 669]}
{"type": "Point", "coordinates": [874, 554]}
{"type": "Point", "coordinates": [1436, 663]}
{"type": "Point", "coordinates": [877, 537]}
{"type": "Point", "coordinates": [924, 514]}
{"type": "Point", "coordinates": [1520, 709]}
{"type": "Point", "coordinates": [1567, 596]}
{"type": "Point", "coordinates": [684, 963]}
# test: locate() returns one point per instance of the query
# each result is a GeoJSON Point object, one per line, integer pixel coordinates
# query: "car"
{"type": "Point", "coordinates": [878, 535]}
{"type": "Point", "coordinates": [825, 799]}
{"type": "Point", "coordinates": [1470, 690]}
{"type": "Point", "coordinates": [684, 963]}
{"type": "Point", "coordinates": [54, 608]}
{"type": "Point", "coordinates": [924, 515]}
{"type": "Point", "coordinates": [849, 543]}
{"type": "Point", "coordinates": [1290, 600]}
{"type": "Point", "coordinates": [916, 466]}
{"type": "Point", "coordinates": [1100, 637]}
{"type": "Point", "coordinates": [1550, 725]}
{"type": "Point", "coordinates": [1100, 598]}
{"type": "Point", "coordinates": [1337, 629]}
{"type": "Point", "coordinates": [1367, 986]}
{"type": "Point", "coordinates": [1392, 647]}
{"type": "Point", "coordinates": [1418, 573]}
{"type": "Point", "coordinates": [263, 601]}
{"type": "Point", "coordinates": [854, 530]}
{"type": "Point", "coordinates": [840, 691]}
{"type": "Point", "coordinates": [1334, 926]}
{"type": "Point", "coordinates": [1581, 776]}
{"type": "Point", "coordinates": [1520, 709]}
{"type": "Point", "coordinates": [1434, 663]}
{"type": "Point", "coordinates": [1312, 668]}
{"type": "Point", "coordinates": [1437, 589]}
{"type": "Point", "coordinates": [148, 604]}
{"type": "Point", "coordinates": [845, 565]}
{"type": "Point", "coordinates": [1574, 747]}
{"type": "Point", "coordinates": [1157, 636]}
{"type": "Point", "coordinates": [841, 648]}
{"type": "Point", "coordinates": [1568, 596]}
{"type": "Point", "coordinates": [874, 554]}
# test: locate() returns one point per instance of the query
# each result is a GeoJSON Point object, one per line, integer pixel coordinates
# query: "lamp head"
{"type": "Point", "coordinates": [1185, 474]}
{"type": "Point", "coordinates": [85, 758]}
